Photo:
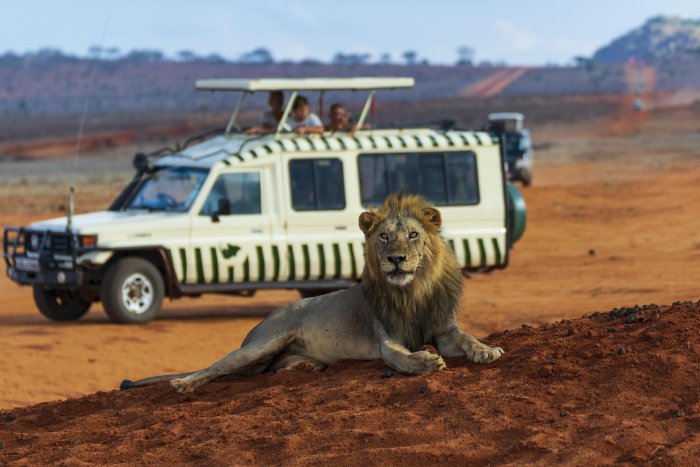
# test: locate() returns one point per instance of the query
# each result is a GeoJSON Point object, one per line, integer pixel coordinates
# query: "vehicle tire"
{"type": "Point", "coordinates": [60, 304]}
{"type": "Point", "coordinates": [132, 291]}
{"type": "Point", "coordinates": [526, 177]}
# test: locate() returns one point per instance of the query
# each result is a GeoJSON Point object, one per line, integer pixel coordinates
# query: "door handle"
{"type": "Point", "coordinates": [341, 227]}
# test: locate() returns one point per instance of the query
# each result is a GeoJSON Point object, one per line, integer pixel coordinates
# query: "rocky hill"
{"type": "Point", "coordinates": [661, 37]}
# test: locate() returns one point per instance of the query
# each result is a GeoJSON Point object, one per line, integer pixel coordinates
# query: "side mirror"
{"type": "Point", "coordinates": [223, 208]}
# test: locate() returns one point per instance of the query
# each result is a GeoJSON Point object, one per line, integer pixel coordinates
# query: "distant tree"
{"type": "Point", "coordinates": [260, 55]}
{"type": "Point", "coordinates": [410, 57]}
{"type": "Point", "coordinates": [94, 51]}
{"type": "Point", "coordinates": [214, 58]}
{"type": "Point", "coordinates": [111, 53]}
{"type": "Point", "coordinates": [584, 62]}
{"type": "Point", "coordinates": [310, 61]}
{"type": "Point", "coordinates": [385, 59]}
{"type": "Point", "coordinates": [350, 59]}
{"type": "Point", "coordinates": [49, 53]}
{"type": "Point", "coordinates": [465, 56]}
{"type": "Point", "coordinates": [187, 56]}
{"type": "Point", "coordinates": [144, 56]}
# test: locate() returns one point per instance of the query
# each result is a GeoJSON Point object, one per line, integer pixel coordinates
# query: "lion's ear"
{"type": "Point", "coordinates": [432, 216]}
{"type": "Point", "coordinates": [367, 220]}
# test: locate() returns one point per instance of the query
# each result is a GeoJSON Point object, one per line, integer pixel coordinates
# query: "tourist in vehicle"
{"type": "Point", "coordinates": [270, 118]}
{"type": "Point", "coordinates": [304, 121]}
{"type": "Point", "coordinates": [339, 119]}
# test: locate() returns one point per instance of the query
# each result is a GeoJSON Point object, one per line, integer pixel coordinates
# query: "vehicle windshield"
{"type": "Point", "coordinates": [170, 189]}
{"type": "Point", "coordinates": [517, 144]}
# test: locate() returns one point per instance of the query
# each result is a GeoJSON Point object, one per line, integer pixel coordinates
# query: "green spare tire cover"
{"type": "Point", "coordinates": [518, 212]}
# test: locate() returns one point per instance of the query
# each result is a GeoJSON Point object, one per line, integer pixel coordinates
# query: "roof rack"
{"type": "Point", "coordinates": [247, 86]}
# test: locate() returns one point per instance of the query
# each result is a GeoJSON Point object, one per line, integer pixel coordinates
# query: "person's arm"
{"type": "Point", "coordinates": [312, 126]}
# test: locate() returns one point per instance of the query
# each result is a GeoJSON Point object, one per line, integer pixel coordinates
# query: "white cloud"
{"type": "Point", "coordinates": [520, 39]}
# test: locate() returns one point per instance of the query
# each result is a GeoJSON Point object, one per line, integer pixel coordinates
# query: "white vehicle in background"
{"type": "Point", "coordinates": [237, 213]}
{"type": "Point", "coordinates": [517, 144]}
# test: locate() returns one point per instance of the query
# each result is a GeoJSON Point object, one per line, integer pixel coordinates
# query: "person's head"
{"type": "Point", "coordinates": [275, 100]}
{"type": "Point", "coordinates": [300, 108]}
{"type": "Point", "coordinates": [337, 114]}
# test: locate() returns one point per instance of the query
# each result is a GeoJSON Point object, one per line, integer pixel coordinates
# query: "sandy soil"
{"type": "Point", "coordinates": [612, 222]}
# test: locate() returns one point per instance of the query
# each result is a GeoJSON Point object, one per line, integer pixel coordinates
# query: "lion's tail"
{"type": "Point", "coordinates": [128, 384]}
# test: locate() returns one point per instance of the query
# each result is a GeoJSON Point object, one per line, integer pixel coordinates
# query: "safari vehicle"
{"type": "Point", "coordinates": [237, 213]}
{"type": "Point", "coordinates": [517, 144]}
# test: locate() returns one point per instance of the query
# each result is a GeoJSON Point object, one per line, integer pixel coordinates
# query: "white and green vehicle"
{"type": "Point", "coordinates": [237, 213]}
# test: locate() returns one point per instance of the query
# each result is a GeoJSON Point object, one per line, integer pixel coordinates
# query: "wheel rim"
{"type": "Point", "coordinates": [137, 293]}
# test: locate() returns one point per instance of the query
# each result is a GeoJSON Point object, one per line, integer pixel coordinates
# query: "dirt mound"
{"type": "Point", "coordinates": [620, 386]}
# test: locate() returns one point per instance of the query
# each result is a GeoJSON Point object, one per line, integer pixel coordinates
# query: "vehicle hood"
{"type": "Point", "coordinates": [133, 222]}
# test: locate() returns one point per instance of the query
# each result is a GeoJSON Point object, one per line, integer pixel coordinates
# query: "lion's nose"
{"type": "Point", "coordinates": [396, 259]}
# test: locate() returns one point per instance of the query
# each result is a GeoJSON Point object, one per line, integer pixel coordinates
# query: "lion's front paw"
{"type": "Point", "coordinates": [482, 353]}
{"type": "Point", "coordinates": [423, 362]}
{"type": "Point", "coordinates": [183, 385]}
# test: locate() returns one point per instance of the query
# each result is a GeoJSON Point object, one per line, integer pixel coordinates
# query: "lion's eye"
{"type": "Point", "coordinates": [383, 236]}
{"type": "Point", "coordinates": [413, 235]}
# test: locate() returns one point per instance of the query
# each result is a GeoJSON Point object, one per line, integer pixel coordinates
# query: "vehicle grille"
{"type": "Point", "coordinates": [55, 243]}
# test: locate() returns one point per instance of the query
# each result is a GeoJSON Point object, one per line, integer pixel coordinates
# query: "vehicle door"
{"type": "Point", "coordinates": [323, 242]}
{"type": "Point", "coordinates": [232, 239]}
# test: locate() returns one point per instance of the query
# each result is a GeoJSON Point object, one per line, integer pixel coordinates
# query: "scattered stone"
{"type": "Point", "coordinates": [424, 389]}
{"type": "Point", "coordinates": [654, 315]}
{"type": "Point", "coordinates": [570, 332]}
{"type": "Point", "coordinates": [388, 374]}
{"type": "Point", "coordinates": [545, 372]}
{"type": "Point", "coordinates": [8, 417]}
{"type": "Point", "coordinates": [680, 413]}
{"type": "Point", "coordinates": [613, 330]}
{"type": "Point", "coordinates": [595, 314]}
{"type": "Point", "coordinates": [591, 252]}
{"type": "Point", "coordinates": [631, 319]}
{"type": "Point", "coordinates": [622, 351]}
{"type": "Point", "coordinates": [676, 304]}
{"type": "Point", "coordinates": [563, 413]}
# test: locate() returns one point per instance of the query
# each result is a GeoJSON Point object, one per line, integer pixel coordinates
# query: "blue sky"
{"type": "Point", "coordinates": [517, 32]}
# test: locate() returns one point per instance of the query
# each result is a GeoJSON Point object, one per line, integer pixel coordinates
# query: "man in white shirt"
{"type": "Point", "coordinates": [303, 121]}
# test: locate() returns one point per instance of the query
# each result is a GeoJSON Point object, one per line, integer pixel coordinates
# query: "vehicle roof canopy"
{"type": "Point", "coordinates": [299, 84]}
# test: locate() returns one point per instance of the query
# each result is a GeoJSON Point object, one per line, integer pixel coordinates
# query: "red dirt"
{"type": "Point", "coordinates": [494, 84]}
{"type": "Point", "coordinates": [578, 391]}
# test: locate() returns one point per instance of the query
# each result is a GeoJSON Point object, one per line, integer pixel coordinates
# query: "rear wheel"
{"type": "Point", "coordinates": [132, 291]}
{"type": "Point", "coordinates": [526, 177]}
{"type": "Point", "coordinates": [60, 304]}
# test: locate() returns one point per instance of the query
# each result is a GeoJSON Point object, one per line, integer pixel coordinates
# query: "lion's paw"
{"type": "Point", "coordinates": [183, 385]}
{"type": "Point", "coordinates": [482, 353]}
{"type": "Point", "coordinates": [423, 362]}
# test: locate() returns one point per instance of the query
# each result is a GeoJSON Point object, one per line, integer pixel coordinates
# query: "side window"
{"type": "Point", "coordinates": [234, 193]}
{"type": "Point", "coordinates": [445, 179]}
{"type": "Point", "coordinates": [317, 184]}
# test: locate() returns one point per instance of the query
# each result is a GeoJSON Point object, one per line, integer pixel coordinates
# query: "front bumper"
{"type": "Point", "coordinates": [52, 263]}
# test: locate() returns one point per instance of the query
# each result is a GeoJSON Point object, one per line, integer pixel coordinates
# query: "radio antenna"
{"type": "Point", "coordinates": [86, 99]}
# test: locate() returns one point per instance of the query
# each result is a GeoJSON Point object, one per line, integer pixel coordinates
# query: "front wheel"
{"type": "Point", "coordinates": [60, 304]}
{"type": "Point", "coordinates": [132, 291]}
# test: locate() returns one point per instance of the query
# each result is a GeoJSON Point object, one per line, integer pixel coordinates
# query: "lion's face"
{"type": "Point", "coordinates": [397, 243]}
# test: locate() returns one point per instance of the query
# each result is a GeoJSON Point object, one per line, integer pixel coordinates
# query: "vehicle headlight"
{"type": "Point", "coordinates": [34, 240]}
{"type": "Point", "coordinates": [88, 241]}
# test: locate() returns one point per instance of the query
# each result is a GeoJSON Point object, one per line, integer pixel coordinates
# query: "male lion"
{"type": "Point", "coordinates": [407, 298]}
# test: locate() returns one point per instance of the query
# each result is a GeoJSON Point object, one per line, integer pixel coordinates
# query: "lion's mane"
{"type": "Point", "coordinates": [415, 313]}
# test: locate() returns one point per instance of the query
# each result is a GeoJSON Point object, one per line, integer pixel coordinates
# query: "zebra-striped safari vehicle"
{"type": "Point", "coordinates": [237, 212]}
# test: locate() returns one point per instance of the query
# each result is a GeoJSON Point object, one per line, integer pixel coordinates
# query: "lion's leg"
{"type": "Point", "coordinates": [455, 343]}
{"type": "Point", "coordinates": [401, 359]}
{"type": "Point", "coordinates": [248, 355]}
